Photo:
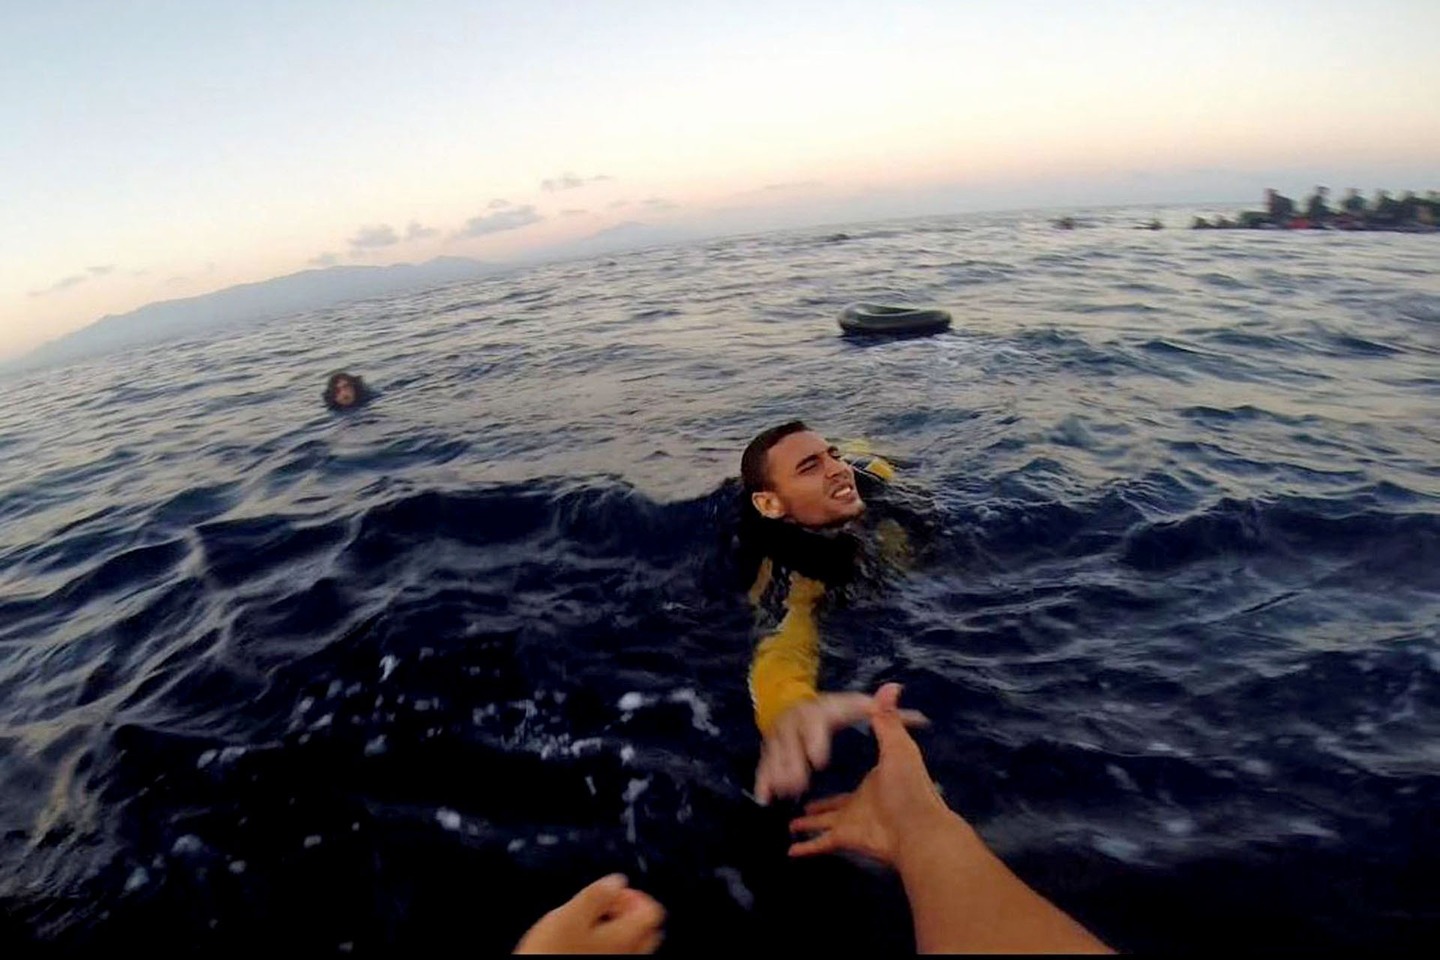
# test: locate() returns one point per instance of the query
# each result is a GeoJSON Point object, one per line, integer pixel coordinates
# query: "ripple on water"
{"type": "Point", "coordinates": [1173, 611]}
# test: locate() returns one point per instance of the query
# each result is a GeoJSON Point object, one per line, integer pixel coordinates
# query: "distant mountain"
{"type": "Point", "coordinates": [630, 235]}
{"type": "Point", "coordinates": [244, 304]}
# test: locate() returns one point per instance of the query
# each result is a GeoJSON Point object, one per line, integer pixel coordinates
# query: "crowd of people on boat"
{"type": "Point", "coordinates": [1410, 212]}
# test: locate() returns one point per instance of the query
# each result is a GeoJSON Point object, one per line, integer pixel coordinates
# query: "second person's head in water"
{"type": "Point", "coordinates": [792, 473]}
{"type": "Point", "coordinates": [345, 390]}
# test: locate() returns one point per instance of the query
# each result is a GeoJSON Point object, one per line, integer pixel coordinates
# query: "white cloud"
{"type": "Point", "coordinates": [369, 238]}
{"type": "Point", "coordinates": [512, 218]}
{"type": "Point", "coordinates": [64, 283]}
{"type": "Point", "coordinates": [571, 181]}
{"type": "Point", "coordinates": [791, 185]}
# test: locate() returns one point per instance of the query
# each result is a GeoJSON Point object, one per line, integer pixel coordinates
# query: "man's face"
{"type": "Point", "coordinates": [344, 392]}
{"type": "Point", "coordinates": [808, 483]}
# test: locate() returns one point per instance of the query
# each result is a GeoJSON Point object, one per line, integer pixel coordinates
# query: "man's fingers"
{"type": "Point", "coordinates": [781, 775]}
{"type": "Point", "coordinates": [826, 804]}
{"type": "Point", "coordinates": [815, 734]}
{"type": "Point", "coordinates": [890, 732]}
{"type": "Point", "coordinates": [914, 718]}
{"type": "Point", "coordinates": [801, 742]}
{"type": "Point", "coordinates": [790, 772]}
{"type": "Point", "coordinates": [628, 900]}
{"type": "Point", "coordinates": [846, 709]}
{"type": "Point", "coordinates": [763, 792]}
{"type": "Point", "coordinates": [813, 823]}
{"type": "Point", "coordinates": [768, 770]}
{"type": "Point", "coordinates": [599, 898]}
{"type": "Point", "coordinates": [782, 766]}
{"type": "Point", "coordinates": [888, 697]}
{"type": "Point", "coordinates": [631, 929]}
{"type": "Point", "coordinates": [825, 843]}
{"type": "Point", "coordinates": [891, 735]}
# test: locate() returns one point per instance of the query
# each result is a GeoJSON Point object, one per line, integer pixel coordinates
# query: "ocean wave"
{"type": "Point", "coordinates": [1172, 607]}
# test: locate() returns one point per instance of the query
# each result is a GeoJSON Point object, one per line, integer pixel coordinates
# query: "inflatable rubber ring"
{"type": "Point", "coordinates": [872, 319]}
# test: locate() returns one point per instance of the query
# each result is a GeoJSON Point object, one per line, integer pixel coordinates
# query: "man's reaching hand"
{"type": "Point", "coordinates": [609, 916]}
{"type": "Point", "coordinates": [799, 742]}
{"type": "Point", "coordinates": [896, 801]}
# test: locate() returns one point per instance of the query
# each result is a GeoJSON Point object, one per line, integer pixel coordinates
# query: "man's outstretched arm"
{"type": "Point", "coordinates": [796, 721]}
{"type": "Point", "coordinates": [963, 898]}
{"type": "Point", "coordinates": [787, 662]}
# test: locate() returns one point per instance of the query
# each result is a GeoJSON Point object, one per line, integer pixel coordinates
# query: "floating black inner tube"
{"type": "Point", "coordinates": [870, 319]}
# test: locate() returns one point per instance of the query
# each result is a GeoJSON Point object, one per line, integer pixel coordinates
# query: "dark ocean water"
{"type": "Point", "coordinates": [269, 676]}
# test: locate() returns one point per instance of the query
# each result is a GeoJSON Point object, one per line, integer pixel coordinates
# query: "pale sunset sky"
{"type": "Point", "coordinates": [153, 149]}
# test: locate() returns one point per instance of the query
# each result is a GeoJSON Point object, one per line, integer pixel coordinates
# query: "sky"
{"type": "Point", "coordinates": [154, 149]}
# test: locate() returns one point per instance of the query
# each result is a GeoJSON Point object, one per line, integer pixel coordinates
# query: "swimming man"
{"type": "Point", "coordinates": [804, 506]}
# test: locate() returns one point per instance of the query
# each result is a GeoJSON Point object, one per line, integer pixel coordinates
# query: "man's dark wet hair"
{"type": "Point", "coordinates": [753, 472]}
{"type": "Point", "coordinates": [362, 393]}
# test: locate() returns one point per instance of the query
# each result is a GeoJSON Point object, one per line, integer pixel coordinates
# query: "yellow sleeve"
{"type": "Point", "coordinates": [787, 663]}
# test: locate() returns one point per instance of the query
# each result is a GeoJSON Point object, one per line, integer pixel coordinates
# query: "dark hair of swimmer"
{"type": "Point", "coordinates": [754, 467]}
{"type": "Point", "coordinates": [792, 473]}
{"type": "Point", "coordinates": [795, 487]}
{"type": "Point", "coordinates": [345, 390]}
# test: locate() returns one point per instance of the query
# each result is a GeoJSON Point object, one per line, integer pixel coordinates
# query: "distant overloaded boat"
{"type": "Point", "coordinates": [1410, 213]}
